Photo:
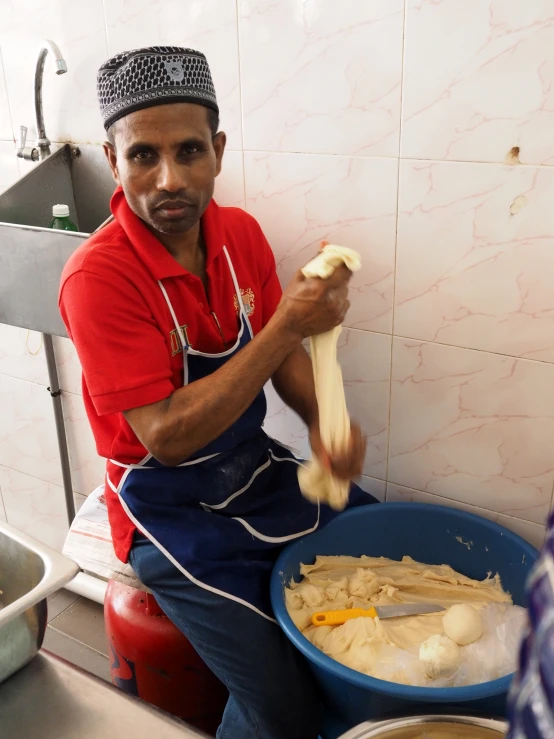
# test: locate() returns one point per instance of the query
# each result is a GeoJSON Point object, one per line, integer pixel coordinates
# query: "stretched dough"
{"type": "Point", "coordinates": [316, 482]}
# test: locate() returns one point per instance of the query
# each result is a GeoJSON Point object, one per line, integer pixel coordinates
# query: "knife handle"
{"type": "Point", "coordinates": [336, 618]}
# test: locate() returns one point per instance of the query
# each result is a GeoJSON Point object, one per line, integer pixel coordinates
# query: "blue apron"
{"type": "Point", "coordinates": [223, 516]}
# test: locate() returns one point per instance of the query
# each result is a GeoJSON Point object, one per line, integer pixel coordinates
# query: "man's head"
{"type": "Point", "coordinates": [161, 118]}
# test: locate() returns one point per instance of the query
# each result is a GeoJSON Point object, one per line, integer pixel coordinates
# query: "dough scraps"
{"type": "Point", "coordinates": [389, 648]}
{"type": "Point", "coordinates": [316, 482]}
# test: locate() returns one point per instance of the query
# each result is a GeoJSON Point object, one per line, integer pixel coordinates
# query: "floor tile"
{"type": "Point", "coordinates": [59, 602]}
{"type": "Point", "coordinates": [77, 654]}
{"type": "Point", "coordinates": [84, 622]}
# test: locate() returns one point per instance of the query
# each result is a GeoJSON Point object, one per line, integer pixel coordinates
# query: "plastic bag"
{"type": "Point", "coordinates": [89, 542]}
{"type": "Point", "coordinates": [492, 656]}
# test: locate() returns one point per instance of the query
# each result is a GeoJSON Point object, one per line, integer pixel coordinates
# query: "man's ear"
{"type": "Point", "coordinates": [111, 156]}
{"type": "Point", "coordinates": [219, 141]}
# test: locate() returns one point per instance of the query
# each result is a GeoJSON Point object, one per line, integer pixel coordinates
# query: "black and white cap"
{"type": "Point", "coordinates": [156, 75]}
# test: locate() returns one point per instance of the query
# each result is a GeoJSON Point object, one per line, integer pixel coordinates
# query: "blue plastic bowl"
{"type": "Point", "coordinates": [432, 534]}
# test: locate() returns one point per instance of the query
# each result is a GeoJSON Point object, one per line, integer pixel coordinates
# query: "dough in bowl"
{"type": "Point", "coordinates": [462, 623]}
{"type": "Point", "coordinates": [440, 656]}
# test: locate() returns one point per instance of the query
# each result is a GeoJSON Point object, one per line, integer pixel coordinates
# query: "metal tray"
{"type": "Point", "coordinates": [29, 573]}
{"type": "Point", "coordinates": [428, 726]}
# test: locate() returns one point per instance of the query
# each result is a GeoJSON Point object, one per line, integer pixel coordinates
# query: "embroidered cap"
{"type": "Point", "coordinates": [156, 75]}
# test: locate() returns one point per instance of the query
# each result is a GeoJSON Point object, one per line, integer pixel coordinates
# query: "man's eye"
{"type": "Point", "coordinates": [190, 150]}
{"type": "Point", "coordinates": [143, 155]}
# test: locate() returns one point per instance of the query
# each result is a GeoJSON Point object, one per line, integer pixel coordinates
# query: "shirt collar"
{"type": "Point", "coordinates": [150, 249]}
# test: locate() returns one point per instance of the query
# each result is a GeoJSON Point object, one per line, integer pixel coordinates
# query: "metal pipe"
{"type": "Point", "coordinates": [55, 392]}
{"type": "Point", "coordinates": [43, 142]}
{"type": "Point", "coordinates": [83, 584]}
{"type": "Point", "coordinates": [89, 587]}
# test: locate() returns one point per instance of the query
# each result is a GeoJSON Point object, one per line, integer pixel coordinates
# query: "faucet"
{"type": "Point", "coordinates": [41, 148]}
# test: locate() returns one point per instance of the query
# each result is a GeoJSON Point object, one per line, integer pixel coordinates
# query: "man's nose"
{"type": "Point", "coordinates": [171, 177]}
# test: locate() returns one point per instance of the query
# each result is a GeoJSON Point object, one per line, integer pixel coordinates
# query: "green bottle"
{"type": "Point", "coordinates": [61, 219]}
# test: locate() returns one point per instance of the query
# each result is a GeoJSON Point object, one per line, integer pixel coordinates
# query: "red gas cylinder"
{"type": "Point", "coordinates": [153, 660]}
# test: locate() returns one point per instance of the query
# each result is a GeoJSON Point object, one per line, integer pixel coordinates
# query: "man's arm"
{"type": "Point", "coordinates": [175, 428]}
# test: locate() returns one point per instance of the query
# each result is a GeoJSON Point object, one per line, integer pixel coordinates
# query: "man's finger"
{"type": "Point", "coordinates": [340, 276]}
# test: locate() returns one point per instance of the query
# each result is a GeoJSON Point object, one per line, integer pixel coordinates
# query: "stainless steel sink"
{"type": "Point", "coordinates": [32, 256]}
{"type": "Point", "coordinates": [29, 573]}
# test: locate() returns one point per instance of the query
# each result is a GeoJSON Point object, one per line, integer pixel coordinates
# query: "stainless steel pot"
{"type": "Point", "coordinates": [430, 727]}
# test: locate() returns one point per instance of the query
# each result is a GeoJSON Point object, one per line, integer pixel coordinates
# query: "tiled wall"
{"type": "Point", "coordinates": [385, 125]}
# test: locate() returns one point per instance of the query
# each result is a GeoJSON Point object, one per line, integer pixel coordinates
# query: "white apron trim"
{"type": "Point", "coordinates": [242, 311]}
{"type": "Point", "coordinates": [220, 506]}
{"type": "Point", "coordinates": [146, 467]}
{"type": "Point", "coordinates": [280, 539]}
{"type": "Point", "coordinates": [137, 464]}
{"type": "Point", "coordinates": [129, 468]}
{"type": "Point", "coordinates": [185, 572]}
{"type": "Point", "coordinates": [277, 539]}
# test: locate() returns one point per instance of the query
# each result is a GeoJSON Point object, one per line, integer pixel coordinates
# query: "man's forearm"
{"type": "Point", "coordinates": [294, 383]}
{"type": "Point", "coordinates": [194, 415]}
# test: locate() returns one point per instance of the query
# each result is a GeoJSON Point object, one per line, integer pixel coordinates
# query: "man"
{"type": "Point", "coordinates": [179, 321]}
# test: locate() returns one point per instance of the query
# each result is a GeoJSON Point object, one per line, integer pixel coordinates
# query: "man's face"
{"type": "Point", "coordinates": [166, 159]}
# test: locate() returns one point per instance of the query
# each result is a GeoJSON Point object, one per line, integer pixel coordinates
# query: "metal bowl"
{"type": "Point", "coordinates": [430, 727]}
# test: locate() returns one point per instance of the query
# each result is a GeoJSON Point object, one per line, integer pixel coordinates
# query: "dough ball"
{"type": "Point", "coordinates": [440, 656]}
{"type": "Point", "coordinates": [462, 623]}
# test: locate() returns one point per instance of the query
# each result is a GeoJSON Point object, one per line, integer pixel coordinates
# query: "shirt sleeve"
{"type": "Point", "coordinates": [122, 351]}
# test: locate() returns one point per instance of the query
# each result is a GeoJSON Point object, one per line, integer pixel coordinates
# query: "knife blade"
{"type": "Point", "coordinates": [335, 618]}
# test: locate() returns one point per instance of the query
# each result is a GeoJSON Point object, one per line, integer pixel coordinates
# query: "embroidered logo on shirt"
{"type": "Point", "coordinates": [175, 338]}
{"type": "Point", "coordinates": [247, 300]}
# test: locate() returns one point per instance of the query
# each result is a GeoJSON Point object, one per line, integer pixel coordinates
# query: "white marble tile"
{"type": "Point", "coordinates": [475, 257]}
{"type": "Point", "coordinates": [9, 170]}
{"type": "Point", "coordinates": [68, 365]}
{"type": "Point", "coordinates": [87, 468]}
{"type": "Point", "coordinates": [473, 427]}
{"type": "Point", "coordinates": [365, 361]}
{"type": "Point", "coordinates": [6, 130]}
{"type": "Point", "coordinates": [229, 186]}
{"type": "Point", "coordinates": [478, 80]}
{"type": "Point", "coordinates": [79, 500]}
{"type": "Point", "coordinates": [319, 79]}
{"type": "Point", "coordinates": [28, 441]}
{"type": "Point", "coordinates": [283, 424]}
{"type": "Point", "coordinates": [35, 507]}
{"type": "Point", "coordinates": [301, 199]}
{"type": "Point", "coordinates": [531, 532]}
{"type": "Point", "coordinates": [374, 487]}
{"type": "Point", "coordinates": [209, 26]}
{"type": "Point", "coordinates": [22, 354]}
{"type": "Point", "coordinates": [70, 107]}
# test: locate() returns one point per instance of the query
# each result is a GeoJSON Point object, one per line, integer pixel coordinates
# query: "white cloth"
{"type": "Point", "coordinates": [316, 482]}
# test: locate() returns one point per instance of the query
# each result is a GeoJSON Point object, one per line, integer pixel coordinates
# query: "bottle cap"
{"type": "Point", "coordinates": [59, 211]}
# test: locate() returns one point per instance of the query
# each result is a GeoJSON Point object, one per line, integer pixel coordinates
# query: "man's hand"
{"type": "Point", "coordinates": [349, 464]}
{"type": "Point", "coordinates": [312, 306]}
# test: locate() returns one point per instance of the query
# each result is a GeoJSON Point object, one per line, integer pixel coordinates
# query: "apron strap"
{"type": "Point", "coordinates": [237, 291]}
{"type": "Point", "coordinates": [180, 333]}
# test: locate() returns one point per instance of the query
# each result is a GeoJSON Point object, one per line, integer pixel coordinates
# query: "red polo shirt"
{"type": "Point", "coordinates": [119, 321]}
